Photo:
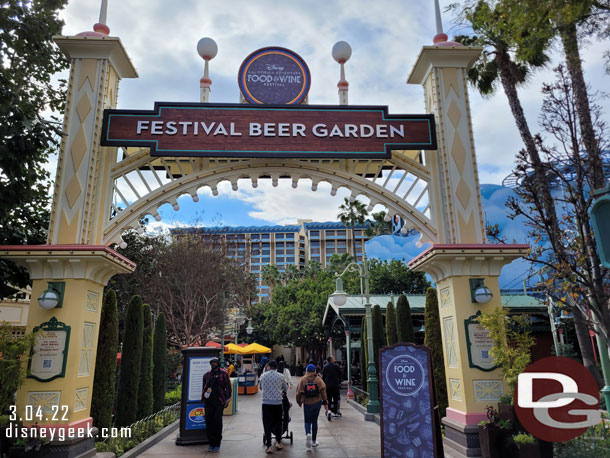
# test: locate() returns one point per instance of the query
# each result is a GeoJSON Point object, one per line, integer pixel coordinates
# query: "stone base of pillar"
{"type": "Point", "coordinates": [78, 447]}
{"type": "Point", "coordinates": [460, 440]}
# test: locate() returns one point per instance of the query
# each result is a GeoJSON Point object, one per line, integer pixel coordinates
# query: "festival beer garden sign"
{"type": "Point", "coordinates": [239, 130]}
{"type": "Point", "coordinates": [275, 123]}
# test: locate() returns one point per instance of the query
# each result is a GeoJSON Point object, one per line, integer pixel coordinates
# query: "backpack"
{"type": "Point", "coordinates": [311, 389]}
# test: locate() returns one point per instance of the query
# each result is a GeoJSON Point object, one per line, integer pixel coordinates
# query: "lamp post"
{"type": "Point", "coordinates": [339, 297]}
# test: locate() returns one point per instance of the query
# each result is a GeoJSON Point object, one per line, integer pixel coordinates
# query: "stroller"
{"type": "Point", "coordinates": [286, 405]}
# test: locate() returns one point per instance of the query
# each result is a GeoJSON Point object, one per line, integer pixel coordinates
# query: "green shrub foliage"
{"type": "Point", "coordinates": [145, 388]}
{"type": "Point", "coordinates": [378, 334]}
{"type": "Point", "coordinates": [102, 398]}
{"type": "Point", "coordinates": [159, 363]}
{"type": "Point", "coordinates": [131, 358]}
{"type": "Point", "coordinates": [404, 324]}
{"type": "Point", "coordinates": [433, 340]}
{"type": "Point", "coordinates": [390, 324]}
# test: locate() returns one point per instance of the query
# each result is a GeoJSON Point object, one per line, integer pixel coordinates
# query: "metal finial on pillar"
{"type": "Point", "coordinates": [441, 38]}
{"type": "Point", "coordinates": [100, 29]}
{"type": "Point", "coordinates": [207, 49]}
{"type": "Point", "coordinates": [342, 51]}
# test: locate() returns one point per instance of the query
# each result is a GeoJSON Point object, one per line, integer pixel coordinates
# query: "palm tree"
{"type": "Point", "coordinates": [312, 268]}
{"type": "Point", "coordinates": [291, 273]}
{"type": "Point", "coordinates": [350, 214]}
{"type": "Point", "coordinates": [501, 31]}
{"type": "Point", "coordinates": [271, 277]}
{"type": "Point", "coordinates": [338, 262]}
{"type": "Point", "coordinates": [379, 225]}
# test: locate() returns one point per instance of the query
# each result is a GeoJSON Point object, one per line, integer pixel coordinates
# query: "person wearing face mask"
{"type": "Point", "coordinates": [216, 395]}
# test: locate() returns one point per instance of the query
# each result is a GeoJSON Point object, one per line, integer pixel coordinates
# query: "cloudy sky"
{"type": "Point", "coordinates": [385, 35]}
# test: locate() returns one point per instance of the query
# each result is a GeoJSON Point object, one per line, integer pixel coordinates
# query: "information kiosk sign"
{"type": "Point", "coordinates": [408, 422]}
{"type": "Point", "coordinates": [192, 411]}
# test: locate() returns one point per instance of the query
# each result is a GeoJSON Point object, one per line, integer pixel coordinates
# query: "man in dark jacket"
{"type": "Point", "coordinates": [331, 374]}
{"type": "Point", "coordinates": [216, 394]}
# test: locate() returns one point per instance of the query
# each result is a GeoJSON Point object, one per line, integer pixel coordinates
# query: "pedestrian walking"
{"type": "Point", "coordinates": [311, 394]}
{"type": "Point", "coordinates": [331, 374]}
{"type": "Point", "coordinates": [273, 386]}
{"type": "Point", "coordinates": [282, 369]}
{"type": "Point", "coordinates": [216, 394]}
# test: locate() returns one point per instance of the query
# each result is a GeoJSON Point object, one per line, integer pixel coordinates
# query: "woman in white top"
{"type": "Point", "coordinates": [282, 369]}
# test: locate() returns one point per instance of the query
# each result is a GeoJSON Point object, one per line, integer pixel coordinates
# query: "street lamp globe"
{"type": "Point", "coordinates": [48, 299]}
{"type": "Point", "coordinates": [339, 297]}
{"type": "Point", "coordinates": [249, 329]}
{"type": "Point", "coordinates": [483, 295]}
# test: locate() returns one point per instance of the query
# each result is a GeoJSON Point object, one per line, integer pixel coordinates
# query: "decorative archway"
{"type": "Point", "coordinates": [97, 197]}
{"type": "Point", "coordinates": [401, 185]}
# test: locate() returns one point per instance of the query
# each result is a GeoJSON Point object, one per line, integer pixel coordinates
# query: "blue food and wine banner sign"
{"type": "Point", "coordinates": [408, 419]}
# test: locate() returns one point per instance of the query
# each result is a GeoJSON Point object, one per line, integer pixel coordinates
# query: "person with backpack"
{"type": "Point", "coordinates": [311, 395]}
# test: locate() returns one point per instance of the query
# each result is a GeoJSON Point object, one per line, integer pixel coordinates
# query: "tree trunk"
{"type": "Point", "coordinates": [569, 39]}
{"type": "Point", "coordinates": [586, 347]}
{"type": "Point", "coordinates": [509, 85]}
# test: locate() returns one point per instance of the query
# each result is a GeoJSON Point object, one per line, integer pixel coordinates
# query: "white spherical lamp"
{"type": "Point", "coordinates": [342, 51]}
{"type": "Point", "coordinates": [483, 295]}
{"type": "Point", "coordinates": [207, 48]}
{"type": "Point", "coordinates": [48, 299]}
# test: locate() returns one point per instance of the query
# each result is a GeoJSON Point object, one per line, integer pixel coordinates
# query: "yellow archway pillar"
{"type": "Point", "coordinates": [74, 255]}
{"type": "Point", "coordinates": [62, 387]}
{"type": "Point", "coordinates": [470, 389]}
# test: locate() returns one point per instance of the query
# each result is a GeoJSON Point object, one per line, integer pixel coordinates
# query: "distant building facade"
{"type": "Point", "coordinates": [287, 245]}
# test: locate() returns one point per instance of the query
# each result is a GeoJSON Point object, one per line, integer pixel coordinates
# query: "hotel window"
{"type": "Point", "coordinates": [279, 236]}
{"type": "Point", "coordinates": [290, 259]}
{"type": "Point", "coordinates": [255, 236]}
{"type": "Point", "coordinates": [314, 233]}
{"type": "Point", "coordinates": [341, 233]}
{"type": "Point", "coordinates": [265, 236]}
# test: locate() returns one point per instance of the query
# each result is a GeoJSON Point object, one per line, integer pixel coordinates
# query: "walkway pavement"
{"type": "Point", "coordinates": [348, 436]}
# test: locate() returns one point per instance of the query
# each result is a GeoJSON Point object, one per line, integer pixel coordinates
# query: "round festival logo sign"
{"type": "Point", "coordinates": [274, 76]}
{"type": "Point", "coordinates": [197, 415]}
{"type": "Point", "coordinates": [405, 375]}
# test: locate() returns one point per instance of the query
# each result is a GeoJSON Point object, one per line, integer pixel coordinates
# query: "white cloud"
{"type": "Point", "coordinates": [386, 36]}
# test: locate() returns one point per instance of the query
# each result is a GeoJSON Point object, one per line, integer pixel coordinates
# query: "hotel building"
{"type": "Point", "coordinates": [283, 245]}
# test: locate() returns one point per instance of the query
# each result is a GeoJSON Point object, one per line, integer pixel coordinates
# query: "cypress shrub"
{"type": "Point", "coordinates": [102, 398]}
{"type": "Point", "coordinates": [433, 341]}
{"type": "Point", "coordinates": [159, 363]}
{"type": "Point", "coordinates": [378, 335]}
{"type": "Point", "coordinates": [404, 324]}
{"type": "Point", "coordinates": [145, 387]}
{"type": "Point", "coordinates": [129, 375]}
{"type": "Point", "coordinates": [364, 360]}
{"type": "Point", "coordinates": [390, 324]}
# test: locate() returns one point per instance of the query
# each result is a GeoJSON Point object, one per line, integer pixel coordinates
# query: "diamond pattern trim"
{"type": "Point", "coordinates": [79, 148]}
{"type": "Point", "coordinates": [463, 193]}
{"type": "Point", "coordinates": [454, 114]}
{"type": "Point", "coordinates": [458, 152]}
{"type": "Point", "coordinates": [73, 191]}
